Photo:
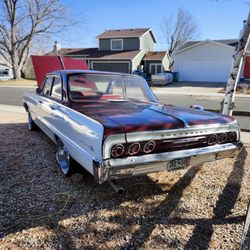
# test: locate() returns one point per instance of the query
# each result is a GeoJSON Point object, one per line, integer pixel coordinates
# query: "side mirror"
{"type": "Point", "coordinates": [38, 90]}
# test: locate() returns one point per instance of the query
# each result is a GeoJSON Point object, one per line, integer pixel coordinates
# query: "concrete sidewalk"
{"type": "Point", "coordinates": [207, 89]}
{"type": "Point", "coordinates": [17, 114]}
{"type": "Point", "coordinates": [12, 114]}
{"type": "Point", "coordinates": [193, 92]}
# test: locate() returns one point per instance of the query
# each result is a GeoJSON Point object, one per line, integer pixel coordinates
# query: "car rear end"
{"type": "Point", "coordinates": [140, 153]}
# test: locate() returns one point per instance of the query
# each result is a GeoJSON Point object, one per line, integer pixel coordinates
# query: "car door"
{"type": "Point", "coordinates": [57, 111]}
{"type": "Point", "coordinates": [43, 109]}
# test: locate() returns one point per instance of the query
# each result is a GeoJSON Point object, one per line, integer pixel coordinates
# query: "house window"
{"type": "Point", "coordinates": [155, 68]}
{"type": "Point", "coordinates": [116, 44]}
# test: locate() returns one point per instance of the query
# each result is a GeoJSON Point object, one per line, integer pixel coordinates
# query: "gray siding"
{"type": "Point", "coordinates": [147, 43]}
{"type": "Point", "coordinates": [128, 44]}
{"type": "Point", "coordinates": [104, 44]}
{"type": "Point", "coordinates": [121, 67]}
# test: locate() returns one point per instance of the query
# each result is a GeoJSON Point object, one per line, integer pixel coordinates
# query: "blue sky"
{"type": "Point", "coordinates": [219, 19]}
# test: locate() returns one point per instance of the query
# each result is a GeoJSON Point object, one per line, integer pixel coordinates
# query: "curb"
{"type": "Point", "coordinates": [245, 130]}
{"type": "Point", "coordinates": [235, 113]}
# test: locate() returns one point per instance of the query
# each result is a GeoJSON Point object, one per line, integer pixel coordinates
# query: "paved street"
{"type": "Point", "coordinates": [208, 102]}
{"type": "Point", "coordinates": [13, 96]}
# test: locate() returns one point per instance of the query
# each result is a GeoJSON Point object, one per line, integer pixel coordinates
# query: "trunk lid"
{"type": "Point", "coordinates": [124, 116]}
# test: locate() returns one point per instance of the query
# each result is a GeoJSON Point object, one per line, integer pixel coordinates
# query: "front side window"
{"type": "Point", "coordinates": [116, 44]}
{"type": "Point", "coordinates": [56, 91]}
{"type": "Point", "coordinates": [105, 87]}
{"type": "Point", "coordinates": [47, 85]}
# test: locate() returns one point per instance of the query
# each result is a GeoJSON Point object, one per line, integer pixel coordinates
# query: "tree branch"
{"type": "Point", "coordinates": [178, 33]}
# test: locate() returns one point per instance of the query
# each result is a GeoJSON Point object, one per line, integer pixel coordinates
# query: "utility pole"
{"type": "Point", "coordinates": [228, 103]}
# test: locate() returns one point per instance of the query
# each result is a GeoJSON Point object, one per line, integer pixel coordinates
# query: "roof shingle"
{"type": "Point", "coordinates": [97, 54]}
{"type": "Point", "coordinates": [230, 42]}
{"type": "Point", "coordinates": [122, 33]}
{"type": "Point", "coordinates": [155, 55]}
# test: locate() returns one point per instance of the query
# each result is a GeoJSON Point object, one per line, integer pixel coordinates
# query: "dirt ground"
{"type": "Point", "coordinates": [202, 207]}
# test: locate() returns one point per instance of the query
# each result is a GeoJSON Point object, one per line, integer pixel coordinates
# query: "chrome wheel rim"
{"type": "Point", "coordinates": [63, 158]}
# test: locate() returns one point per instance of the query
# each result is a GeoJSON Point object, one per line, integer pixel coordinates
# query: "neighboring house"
{"type": "Point", "coordinates": [156, 62]}
{"type": "Point", "coordinates": [205, 61]}
{"type": "Point", "coordinates": [123, 50]}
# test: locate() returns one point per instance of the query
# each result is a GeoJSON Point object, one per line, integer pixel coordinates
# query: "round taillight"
{"type": "Point", "coordinates": [134, 148]}
{"type": "Point", "coordinates": [231, 137]}
{"type": "Point", "coordinates": [149, 147]}
{"type": "Point", "coordinates": [117, 150]}
{"type": "Point", "coordinates": [222, 138]}
{"type": "Point", "coordinates": [212, 139]}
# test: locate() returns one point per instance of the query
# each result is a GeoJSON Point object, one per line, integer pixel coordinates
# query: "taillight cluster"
{"type": "Point", "coordinates": [135, 148]}
{"type": "Point", "coordinates": [221, 138]}
{"type": "Point", "coordinates": [165, 145]}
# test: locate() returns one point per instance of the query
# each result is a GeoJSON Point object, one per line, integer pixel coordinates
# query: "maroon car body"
{"type": "Point", "coordinates": [135, 116]}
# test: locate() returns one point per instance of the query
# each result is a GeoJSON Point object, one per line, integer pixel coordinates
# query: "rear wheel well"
{"type": "Point", "coordinates": [57, 139]}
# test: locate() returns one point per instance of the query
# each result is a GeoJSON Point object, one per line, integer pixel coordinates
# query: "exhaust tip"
{"type": "Point", "coordinates": [121, 190]}
{"type": "Point", "coordinates": [117, 189]}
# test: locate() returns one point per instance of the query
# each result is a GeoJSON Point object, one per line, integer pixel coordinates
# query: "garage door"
{"type": "Point", "coordinates": [113, 67]}
{"type": "Point", "coordinates": [205, 71]}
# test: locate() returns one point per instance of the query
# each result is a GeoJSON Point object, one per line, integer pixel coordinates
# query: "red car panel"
{"type": "Point", "coordinates": [46, 64]}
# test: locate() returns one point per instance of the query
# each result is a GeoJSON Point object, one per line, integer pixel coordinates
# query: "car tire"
{"type": "Point", "coordinates": [67, 164]}
{"type": "Point", "coordinates": [31, 124]}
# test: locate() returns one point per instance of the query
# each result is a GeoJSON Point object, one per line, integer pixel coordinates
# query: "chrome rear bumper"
{"type": "Point", "coordinates": [145, 164]}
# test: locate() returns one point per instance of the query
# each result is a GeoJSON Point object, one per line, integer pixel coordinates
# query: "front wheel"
{"type": "Point", "coordinates": [66, 163]}
{"type": "Point", "coordinates": [31, 124]}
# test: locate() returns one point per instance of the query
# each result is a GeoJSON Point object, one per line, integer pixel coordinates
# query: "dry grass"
{"type": "Point", "coordinates": [20, 82]}
{"type": "Point", "coordinates": [201, 207]}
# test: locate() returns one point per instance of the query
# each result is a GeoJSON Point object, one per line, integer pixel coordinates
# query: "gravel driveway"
{"type": "Point", "coordinates": [197, 208]}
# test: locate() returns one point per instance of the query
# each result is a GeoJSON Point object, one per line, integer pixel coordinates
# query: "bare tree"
{"type": "Point", "coordinates": [177, 31]}
{"type": "Point", "coordinates": [22, 22]}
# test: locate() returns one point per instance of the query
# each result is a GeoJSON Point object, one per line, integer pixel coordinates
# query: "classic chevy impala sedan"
{"type": "Point", "coordinates": [113, 126]}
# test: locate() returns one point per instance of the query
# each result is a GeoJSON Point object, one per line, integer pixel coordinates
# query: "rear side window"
{"type": "Point", "coordinates": [57, 88]}
{"type": "Point", "coordinates": [47, 85]}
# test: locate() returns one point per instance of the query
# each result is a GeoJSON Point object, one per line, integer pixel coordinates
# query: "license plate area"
{"type": "Point", "coordinates": [179, 163]}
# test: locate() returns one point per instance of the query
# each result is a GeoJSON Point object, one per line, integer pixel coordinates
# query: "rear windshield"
{"type": "Point", "coordinates": [108, 87]}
